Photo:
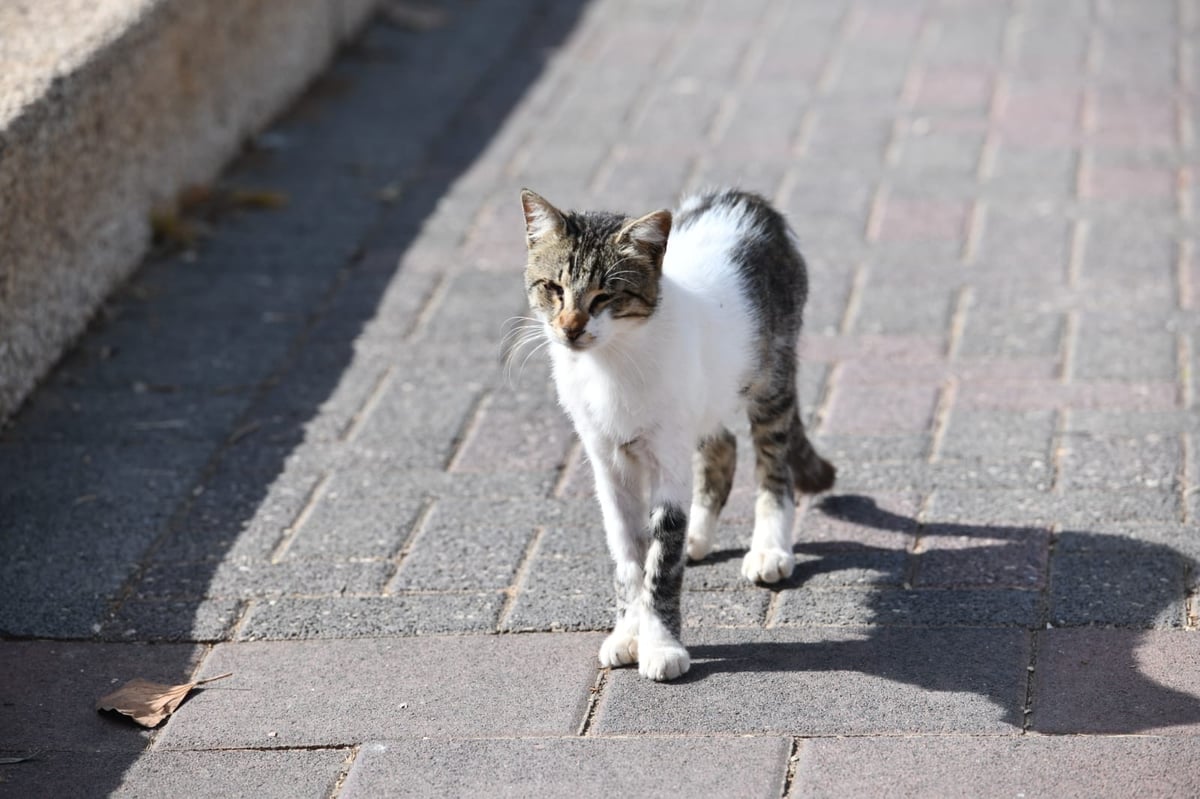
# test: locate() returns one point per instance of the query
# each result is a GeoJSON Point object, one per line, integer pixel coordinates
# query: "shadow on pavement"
{"type": "Point", "coordinates": [99, 472]}
{"type": "Point", "coordinates": [1095, 580]}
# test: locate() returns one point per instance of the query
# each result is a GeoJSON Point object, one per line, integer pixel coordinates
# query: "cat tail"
{"type": "Point", "coordinates": [811, 473]}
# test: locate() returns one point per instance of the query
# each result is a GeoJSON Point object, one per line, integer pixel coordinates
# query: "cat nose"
{"type": "Point", "coordinates": [572, 324]}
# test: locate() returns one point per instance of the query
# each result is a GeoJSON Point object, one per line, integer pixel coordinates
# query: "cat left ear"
{"type": "Point", "coordinates": [647, 235]}
{"type": "Point", "coordinates": [542, 219]}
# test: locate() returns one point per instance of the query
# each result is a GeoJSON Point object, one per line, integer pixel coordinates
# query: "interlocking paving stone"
{"type": "Point", "coordinates": [306, 774]}
{"type": "Point", "coordinates": [437, 686]}
{"type": "Point", "coordinates": [829, 681]}
{"type": "Point", "coordinates": [292, 618]}
{"type": "Point", "coordinates": [1030, 765]}
{"type": "Point", "coordinates": [1117, 682]}
{"type": "Point", "coordinates": [583, 767]}
{"type": "Point", "coordinates": [50, 690]}
{"type": "Point", "coordinates": [302, 428]}
{"type": "Point", "coordinates": [1119, 589]}
{"type": "Point", "coordinates": [926, 607]}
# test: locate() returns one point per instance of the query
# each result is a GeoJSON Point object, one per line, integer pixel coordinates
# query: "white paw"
{"type": "Point", "coordinates": [768, 565]}
{"type": "Point", "coordinates": [664, 662]}
{"type": "Point", "coordinates": [618, 649]}
{"type": "Point", "coordinates": [698, 548]}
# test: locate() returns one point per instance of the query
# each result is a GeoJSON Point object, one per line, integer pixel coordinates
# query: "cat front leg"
{"type": "Point", "coordinates": [661, 656]}
{"type": "Point", "coordinates": [620, 489]}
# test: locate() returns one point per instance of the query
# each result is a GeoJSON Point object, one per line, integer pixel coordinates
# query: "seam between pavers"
{"type": "Point", "coordinates": [355, 424]}
{"type": "Point", "coordinates": [315, 493]}
{"type": "Point", "coordinates": [520, 576]}
{"type": "Point", "coordinates": [344, 771]}
{"type": "Point", "coordinates": [792, 763]}
{"type": "Point", "coordinates": [594, 697]}
{"type": "Point", "coordinates": [406, 548]}
{"type": "Point", "coordinates": [482, 402]}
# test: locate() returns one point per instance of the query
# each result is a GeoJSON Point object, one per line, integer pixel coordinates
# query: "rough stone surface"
{"type": "Point", "coordinates": [79, 74]}
{"type": "Point", "coordinates": [294, 451]}
{"type": "Point", "coordinates": [1073, 766]}
{"type": "Point", "coordinates": [387, 688]}
{"type": "Point", "coordinates": [830, 681]}
{"type": "Point", "coordinates": [751, 767]}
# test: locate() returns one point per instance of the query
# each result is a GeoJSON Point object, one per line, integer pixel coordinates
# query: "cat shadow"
{"type": "Point", "coordinates": [1017, 587]}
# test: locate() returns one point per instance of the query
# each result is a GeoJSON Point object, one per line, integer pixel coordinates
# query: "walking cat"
{"type": "Point", "coordinates": [660, 328]}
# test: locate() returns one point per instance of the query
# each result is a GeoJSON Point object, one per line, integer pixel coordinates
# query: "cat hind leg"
{"type": "Point", "coordinates": [770, 558]}
{"type": "Point", "coordinates": [713, 466]}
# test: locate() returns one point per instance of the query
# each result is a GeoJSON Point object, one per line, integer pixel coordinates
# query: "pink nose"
{"type": "Point", "coordinates": [572, 323]}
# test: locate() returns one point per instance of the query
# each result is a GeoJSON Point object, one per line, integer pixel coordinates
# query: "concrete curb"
{"type": "Point", "coordinates": [110, 110]}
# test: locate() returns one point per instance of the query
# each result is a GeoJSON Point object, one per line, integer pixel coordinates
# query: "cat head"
{"type": "Point", "coordinates": [590, 275]}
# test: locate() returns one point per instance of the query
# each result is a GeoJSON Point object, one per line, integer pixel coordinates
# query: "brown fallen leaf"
{"type": "Point", "coordinates": [148, 703]}
{"type": "Point", "coordinates": [258, 198]}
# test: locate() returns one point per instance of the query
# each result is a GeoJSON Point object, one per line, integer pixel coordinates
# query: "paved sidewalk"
{"type": "Point", "coordinates": [292, 453]}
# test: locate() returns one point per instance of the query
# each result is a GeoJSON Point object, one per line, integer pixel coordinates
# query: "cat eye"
{"type": "Point", "coordinates": [597, 301]}
{"type": "Point", "coordinates": [553, 288]}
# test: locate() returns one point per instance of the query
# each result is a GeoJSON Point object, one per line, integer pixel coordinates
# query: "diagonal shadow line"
{"type": "Point", "coordinates": [65, 600]}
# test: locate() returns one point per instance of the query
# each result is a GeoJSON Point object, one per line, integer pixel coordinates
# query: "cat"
{"type": "Point", "coordinates": [660, 328]}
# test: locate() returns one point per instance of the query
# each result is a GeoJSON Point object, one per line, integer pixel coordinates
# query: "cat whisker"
{"type": "Point", "coordinates": [532, 352]}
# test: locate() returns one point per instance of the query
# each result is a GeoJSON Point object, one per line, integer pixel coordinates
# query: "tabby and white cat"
{"type": "Point", "coordinates": [661, 328]}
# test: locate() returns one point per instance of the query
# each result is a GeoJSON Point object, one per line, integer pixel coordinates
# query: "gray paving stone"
{"type": "Point", "coordinates": [291, 618]}
{"type": "Point", "coordinates": [1120, 463]}
{"type": "Point", "coordinates": [387, 688]}
{"type": "Point", "coordinates": [818, 567]}
{"type": "Point", "coordinates": [996, 435]}
{"type": "Point", "coordinates": [1116, 682]}
{"type": "Point", "coordinates": [340, 525]}
{"type": "Point", "coordinates": [419, 420]}
{"type": "Point", "coordinates": [738, 608]}
{"type": "Point", "coordinates": [50, 691]}
{"type": "Point", "coordinates": [206, 775]}
{"type": "Point", "coordinates": [1078, 767]}
{"type": "Point", "coordinates": [829, 681]}
{"type": "Point", "coordinates": [997, 474]}
{"type": "Point", "coordinates": [1107, 347]}
{"type": "Point", "coordinates": [1118, 589]}
{"type": "Point", "coordinates": [463, 559]}
{"type": "Point", "coordinates": [253, 494]}
{"type": "Point", "coordinates": [582, 767]}
{"type": "Point", "coordinates": [982, 557]}
{"type": "Point", "coordinates": [927, 607]}
{"type": "Point", "coordinates": [236, 578]}
{"type": "Point", "coordinates": [172, 620]}
{"type": "Point", "coordinates": [564, 593]}
{"type": "Point", "coordinates": [1026, 508]}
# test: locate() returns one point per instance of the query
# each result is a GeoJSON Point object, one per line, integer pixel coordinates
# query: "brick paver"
{"type": "Point", "coordinates": [292, 452]}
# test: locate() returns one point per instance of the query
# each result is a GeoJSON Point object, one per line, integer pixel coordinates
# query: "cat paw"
{"type": "Point", "coordinates": [619, 649]}
{"type": "Point", "coordinates": [768, 565]}
{"type": "Point", "coordinates": [698, 548]}
{"type": "Point", "coordinates": [664, 662]}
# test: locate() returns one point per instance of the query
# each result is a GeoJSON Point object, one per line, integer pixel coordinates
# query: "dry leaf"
{"type": "Point", "coordinates": [148, 703]}
{"type": "Point", "coordinates": [258, 198]}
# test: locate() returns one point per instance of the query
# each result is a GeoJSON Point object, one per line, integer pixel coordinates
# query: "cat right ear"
{"type": "Point", "coordinates": [542, 220]}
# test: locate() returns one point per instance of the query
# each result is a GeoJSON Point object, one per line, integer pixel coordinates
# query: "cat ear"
{"type": "Point", "coordinates": [647, 235]}
{"type": "Point", "coordinates": [542, 219]}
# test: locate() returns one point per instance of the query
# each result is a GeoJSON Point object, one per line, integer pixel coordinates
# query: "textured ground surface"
{"type": "Point", "coordinates": [292, 453]}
